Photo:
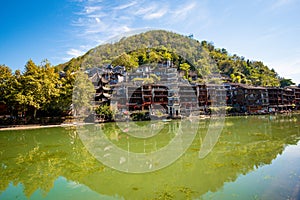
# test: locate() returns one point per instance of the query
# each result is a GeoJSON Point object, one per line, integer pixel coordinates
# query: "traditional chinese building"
{"type": "Point", "coordinates": [250, 99]}
{"type": "Point", "coordinates": [103, 80]}
{"type": "Point", "coordinates": [168, 93]}
{"type": "Point", "coordinates": [296, 90]}
{"type": "Point", "coordinates": [275, 95]}
{"type": "Point", "coordinates": [188, 98]}
{"type": "Point", "coordinates": [202, 96]}
{"type": "Point", "coordinates": [216, 95]}
{"type": "Point", "coordinates": [288, 98]}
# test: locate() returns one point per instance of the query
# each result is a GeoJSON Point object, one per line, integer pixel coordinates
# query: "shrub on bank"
{"type": "Point", "coordinates": [140, 116]}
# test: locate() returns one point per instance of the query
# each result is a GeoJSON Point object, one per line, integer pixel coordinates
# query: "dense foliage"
{"type": "Point", "coordinates": [39, 88]}
{"type": "Point", "coordinates": [104, 112]}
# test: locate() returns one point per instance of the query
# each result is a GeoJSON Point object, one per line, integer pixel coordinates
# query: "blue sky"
{"type": "Point", "coordinates": [57, 30]}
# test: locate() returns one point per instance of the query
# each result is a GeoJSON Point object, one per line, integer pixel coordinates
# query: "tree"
{"type": "Point", "coordinates": [83, 95]}
{"type": "Point", "coordinates": [12, 89]}
{"type": "Point", "coordinates": [154, 57]}
{"type": "Point", "coordinates": [63, 102]}
{"type": "Point", "coordinates": [235, 78]}
{"type": "Point", "coordinates": [125, 60]}
{"type": "Point", "coordinates": [28, 88]}
{"type": "Point", "coordinates": [205, 64]}
{"type": "Point", "coordinates": [286, 82]}
{"type": "Point", "coordinates": [5, 78]}
{"type": "Point", "coordinates": [186, 68]}
{"type": "Point", "coordinates": [105, 112]}
{"type": "Point", "coordinates": [37, 87]}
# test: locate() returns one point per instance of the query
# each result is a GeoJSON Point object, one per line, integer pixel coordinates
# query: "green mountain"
{"type": "Point", "coordinates": [185, 52]}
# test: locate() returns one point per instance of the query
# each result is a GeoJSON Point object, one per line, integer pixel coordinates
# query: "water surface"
{"type": "Point", "coordinates": [255, 157]}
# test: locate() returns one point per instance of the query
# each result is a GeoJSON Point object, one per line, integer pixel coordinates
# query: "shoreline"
{"type": "Point", "coordinates": [38, 126]}
{"type": "Point", "coordinates": [32, 126]}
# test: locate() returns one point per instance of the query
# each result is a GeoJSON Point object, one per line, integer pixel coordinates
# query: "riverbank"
{"type": "Point", "coordinates": [73, 123]}
{"type": "Point", "coordinates": [11, 123]}
{"type": "Point", "coordinates": [32, 126]}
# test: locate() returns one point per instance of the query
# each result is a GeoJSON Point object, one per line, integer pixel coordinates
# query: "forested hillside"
{"type": "Point", "coordinates": [203, 57]}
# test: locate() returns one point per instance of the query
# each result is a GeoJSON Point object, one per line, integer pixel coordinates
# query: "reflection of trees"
{"type": "Point", "coordinates": [37, 158]}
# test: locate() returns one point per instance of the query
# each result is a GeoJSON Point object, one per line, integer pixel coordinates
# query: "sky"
{"type": "Point", "coordinates": [58, 30]}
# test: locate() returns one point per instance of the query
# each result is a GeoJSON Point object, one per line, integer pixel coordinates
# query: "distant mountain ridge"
{"type": "Point", "coordinates": [202, 56]}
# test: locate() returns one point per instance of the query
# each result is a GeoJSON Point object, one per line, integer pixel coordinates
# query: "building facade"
{"type": "Point", "coordinates": [174, 96]}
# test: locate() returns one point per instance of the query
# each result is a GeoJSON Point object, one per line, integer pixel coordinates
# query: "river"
{"type": "Point", "coordinates": [254, 157]}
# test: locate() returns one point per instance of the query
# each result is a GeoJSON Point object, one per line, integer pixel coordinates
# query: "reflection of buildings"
{"type": "Point", "coordinates": [160, 88]}
{"type": "Point", "coordinates": [36, 161]}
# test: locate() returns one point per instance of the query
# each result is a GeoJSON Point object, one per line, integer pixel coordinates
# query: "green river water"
{"type": "Point", "coordinates": [254, 157]}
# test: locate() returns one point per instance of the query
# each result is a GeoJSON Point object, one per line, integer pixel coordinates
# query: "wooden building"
{"type": "Point", "coordinates": [175, 96]}
{"type": "Point", "coordinates": [202, 96]}
{"type": "Point", "coordinates": [188, 98]}
{"type": "Point", "coordinates": [296, 91]}
{"type": "Point", "coordinates": [250, 99]}
{"type": "Point", "coordinates": [216, 95]}
{"type": "Point", "coordinates": [288, 96]}
{"type": "Point", "coordinates": [103, 90]}
{"type": "Point", "coordinates": [275, 95]}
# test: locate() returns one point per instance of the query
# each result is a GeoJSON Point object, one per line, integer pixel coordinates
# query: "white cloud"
{"type": "Point", "coordinates": [123, 29]}
{"type": "Point", "coordinates": [151, 11]}
{"type": "Point", "coordinates": [92, 9]}
{"type": "Point", "coordinates": [144, 11]}
{"type": "Point", "coordinates": [99, 15]}
{"type": "Point", "coordinates": [121, 7]}
{"type": "Point", "coordinates": [95, 29]}
{"type": "Point", "coordinates": [97, 19]}
{"type": "Point", "coordinates": [93, 1]}
{"type": "Point", "coordinates": [75, 52]}
{"type": "Point", "coordinates": [183, 11]}
{"type": "Point", "coordinates": [78, 22]}
{"type": "Point", "coordinates": [155, 15]}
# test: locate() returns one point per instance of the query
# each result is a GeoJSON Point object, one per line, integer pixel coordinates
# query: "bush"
{"type": "Point", "coordinates": [104, 112]}
{"type": "Point", "coordinates": [140, 116]}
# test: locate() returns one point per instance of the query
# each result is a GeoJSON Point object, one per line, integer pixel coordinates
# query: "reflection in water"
{"type": "Point", "coordinates": [47, 159]}
{"type": "Point", "coordinates": [162, 152]}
